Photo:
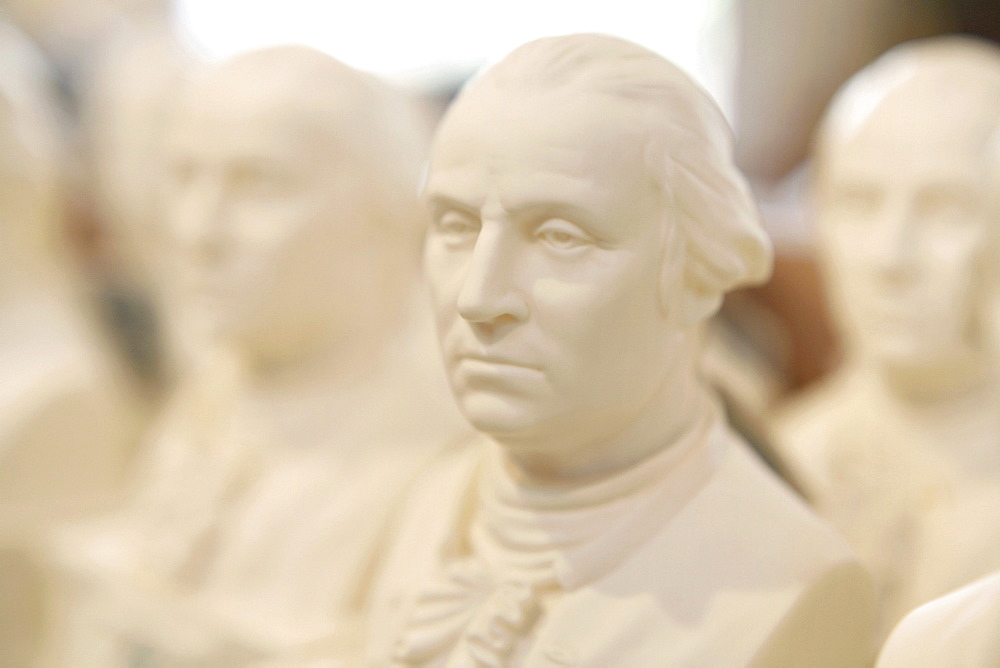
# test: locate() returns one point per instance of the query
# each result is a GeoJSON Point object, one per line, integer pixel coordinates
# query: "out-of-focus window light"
{"type": "Point", "coordinates": [420, 41]}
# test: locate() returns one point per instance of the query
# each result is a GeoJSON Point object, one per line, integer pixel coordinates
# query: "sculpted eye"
{"type": "Point", "coordinates": [945, 204]}
{"type": "Point", "coordinates": [857, 200]}
{"type": "Point", "coordinates": [457, 227]}
{"type": "Point", "coordinates": [262, 179]}
{"type": "Point", "coordinates": [562, 235]}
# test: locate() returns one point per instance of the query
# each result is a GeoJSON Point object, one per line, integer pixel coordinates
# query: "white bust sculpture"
{"type": "Point", "coordinates": [587, 218]}
{"type": "Point", "coordinates": [958, 630]}
{"type": "Point", "coordinates": [900, 449]}
{"type": "Point", "coordinates": [313, 392]}
{"type": "Point", "coordinates": [126, 100]}
{"type": "Point", "coordinates": [67, 428]}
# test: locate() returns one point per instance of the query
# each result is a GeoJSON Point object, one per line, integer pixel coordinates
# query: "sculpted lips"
{"type": "Point", "coordinates": [894, 310]}
{"type": "Point", "coordinates": [495, 360]}
{"type": "Point", "coordinates": [475, 369]}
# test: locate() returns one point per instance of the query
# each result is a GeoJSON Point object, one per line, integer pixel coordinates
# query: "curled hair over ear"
{"type": "Point", "coordinates": [688, 154]}
{"type": "Point", "coordinates": [725, 245]}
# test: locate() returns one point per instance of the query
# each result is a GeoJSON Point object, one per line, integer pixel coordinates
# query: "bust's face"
{"type": "Point", "coordinates": [544, 262]}
{"type": "Point", "coordinates": [267, 220]}
{"type": "Point", "coordinates": [904, 210]}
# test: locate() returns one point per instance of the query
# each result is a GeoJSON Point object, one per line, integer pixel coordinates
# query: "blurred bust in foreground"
{"type": "Point", "coordinates": [958, 630]}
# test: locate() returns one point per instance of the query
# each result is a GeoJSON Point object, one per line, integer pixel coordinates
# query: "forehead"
{"type": "Point", "coordinates": [216, 120]}
{"type": "Point", "coordinates": [919, 130]}
{"type": "Point", "coordinates": [535, 144]}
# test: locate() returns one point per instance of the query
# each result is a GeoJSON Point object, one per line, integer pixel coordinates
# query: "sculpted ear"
{"type": "Point", "coordinates": [685, 295]}
{"type": "Point", "coordinates": [724, 244]}
{"type": "Point", "coordinates": [697, 303]}
{"type": "Point", "coordinates": [715, 241]}
{"type": "Point", "coordinates": [700, 268]}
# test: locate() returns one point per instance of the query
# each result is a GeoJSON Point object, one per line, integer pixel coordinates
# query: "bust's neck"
{"type": "Point", "coordinates": [591, 451]}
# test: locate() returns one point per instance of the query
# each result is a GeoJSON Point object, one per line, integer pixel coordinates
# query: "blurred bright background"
{"type": "Point", "coordinates": [432, 42]}
{"type": "Point", "coordinates": [772, 65]}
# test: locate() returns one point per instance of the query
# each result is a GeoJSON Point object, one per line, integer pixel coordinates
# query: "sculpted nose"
{"type": "Point", "coordinates": [198, 220]}
{"type": "Point", "coordinates": [892, 244]}
{"type": "Point", "coordinates": [490, 291]}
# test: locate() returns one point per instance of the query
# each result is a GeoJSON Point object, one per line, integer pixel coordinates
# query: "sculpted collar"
{"type": "Point", "coordinates": [511, 547]}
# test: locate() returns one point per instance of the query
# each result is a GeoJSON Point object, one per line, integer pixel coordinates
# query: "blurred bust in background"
{"type": "Point", "coordinates": [308, 390]}
{"type": "Point", "coordinates": [900, 448]}
{"type": "Point", "coordinates": [126, 94]}
{"type": "Point", "coordinates": [67, 424]}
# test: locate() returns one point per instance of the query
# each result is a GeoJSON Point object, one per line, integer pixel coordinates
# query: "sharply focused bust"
{"type": "Point", "coordinates": [587, 219]}
{"type": "Point", "coordinates": [900, 448]}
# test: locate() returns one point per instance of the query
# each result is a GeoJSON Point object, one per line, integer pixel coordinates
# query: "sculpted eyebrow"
{"type": "Point", "coordinates": [539, 210]}
{"type": "Point", "coordinates": [439, 202]}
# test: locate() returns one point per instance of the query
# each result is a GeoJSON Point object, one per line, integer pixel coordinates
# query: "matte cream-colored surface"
{"type": "Point", "coordinates": [132, 82]}
{"type": "Point", "coordinates": [959, 630]}
{"type": "Point", "coordinates": [312, 393]}
{"type": "Point", "coordinates": [128, 91]}
{"type": "Point", "coordinates": [67, 429]}
{"type": "Point", "coordinates": [587, 218]}
{"type": "Point", "coordinates": [900, 449]}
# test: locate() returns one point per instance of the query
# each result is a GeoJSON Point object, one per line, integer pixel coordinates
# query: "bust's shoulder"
{"type": "Point", "coordinates": [55, 380]}
{"type": "Point", "coordinates": [753, 524]}
{"type": "Point", "coordinates": [744, 574]}
{"type": "Point", "coordinates": [810, 428]}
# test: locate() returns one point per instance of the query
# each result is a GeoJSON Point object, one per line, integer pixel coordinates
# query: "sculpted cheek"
{"type": "Point", "coordinates": [559, 299]}
{"type": "Point", "coordinates": [443, 271]}
{"type": "Point", "coordinates": [586, 317]}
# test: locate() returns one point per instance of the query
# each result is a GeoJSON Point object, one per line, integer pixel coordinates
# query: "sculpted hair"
{"type": "Point", "coordinates": [688, 147]}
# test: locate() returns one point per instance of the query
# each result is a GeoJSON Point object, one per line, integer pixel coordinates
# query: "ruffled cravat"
{"type": "Point", "coordinates": [467, 608]}
{"type": "Point", "coordinates": [525, 544]}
